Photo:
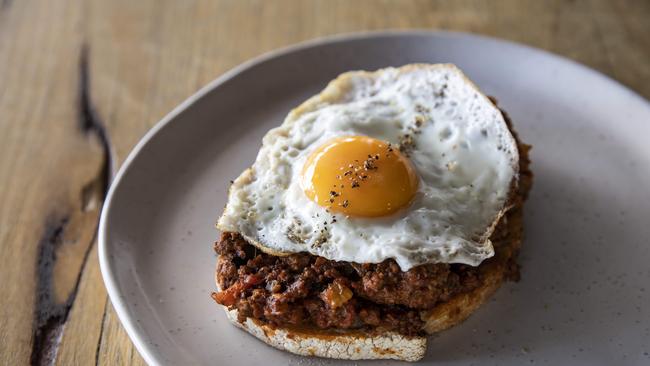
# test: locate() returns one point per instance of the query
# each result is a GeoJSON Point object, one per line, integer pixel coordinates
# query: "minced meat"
{"type": "Point", "coordinates": [306, 290]}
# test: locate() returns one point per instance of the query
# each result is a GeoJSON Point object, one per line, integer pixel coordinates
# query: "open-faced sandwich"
{"type": "Point", "coordinates": [383, 209]}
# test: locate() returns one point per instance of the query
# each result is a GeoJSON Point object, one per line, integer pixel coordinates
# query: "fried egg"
{"type": "Point", "coordinates": [410, 163]}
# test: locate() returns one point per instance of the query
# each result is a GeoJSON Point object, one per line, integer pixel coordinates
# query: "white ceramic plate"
{"type": "Point", "coordinates": [585, 289]}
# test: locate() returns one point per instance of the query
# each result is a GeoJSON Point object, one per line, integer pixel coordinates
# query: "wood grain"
{"type": "Point", "coordinates": [82, 81]}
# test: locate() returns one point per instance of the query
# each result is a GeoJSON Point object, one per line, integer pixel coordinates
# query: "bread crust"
{"type": "Point", "coordinates": [343, 345]}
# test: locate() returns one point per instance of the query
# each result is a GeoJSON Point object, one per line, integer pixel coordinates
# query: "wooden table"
{"type": "Point", "coordinates": [82, 81]}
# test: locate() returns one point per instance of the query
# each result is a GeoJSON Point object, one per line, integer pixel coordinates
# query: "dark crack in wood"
{"type": "Point", "coordinates": [101, 334]}
{"type": "Point", "coordinates": [91, 124]}
{"type": "Point", "coordinates": [50, 316]}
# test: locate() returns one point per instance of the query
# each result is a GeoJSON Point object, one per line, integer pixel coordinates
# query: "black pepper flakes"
{"type": "Point", "coordinates": [369, 164]}
{"type": "Point", "coordinates": [406, 143]}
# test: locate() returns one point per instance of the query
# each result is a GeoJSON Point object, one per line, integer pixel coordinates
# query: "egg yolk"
{"type": "Point", "coordinates": [359, 176]}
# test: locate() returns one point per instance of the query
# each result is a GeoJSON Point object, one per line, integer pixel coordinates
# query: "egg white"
{"type": "Point", "coordinates": [457, 140]}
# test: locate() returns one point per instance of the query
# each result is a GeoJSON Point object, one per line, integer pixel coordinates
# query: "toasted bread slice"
{"type": "Point", "coordinates": [505, 234]}
{"type": "Point", "coordinates": [353, 345]}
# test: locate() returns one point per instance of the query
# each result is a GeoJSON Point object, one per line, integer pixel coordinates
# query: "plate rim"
{"type": "Point", "coordinates": [105, 262]}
